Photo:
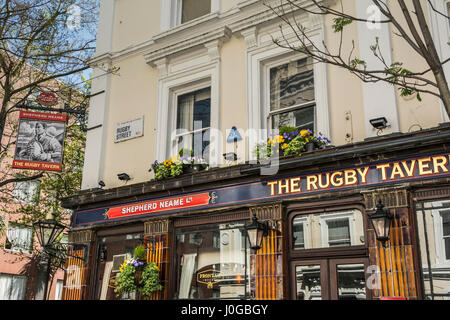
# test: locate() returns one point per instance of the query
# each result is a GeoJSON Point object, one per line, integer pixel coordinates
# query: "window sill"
{"type": "Point", "coordinates": [187, 25]}
{"type": "Point", "coordinates": [17, 252]}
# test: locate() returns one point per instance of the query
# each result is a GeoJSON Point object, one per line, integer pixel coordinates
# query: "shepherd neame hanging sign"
{"type": "Point", "coordinates": [369, 175]}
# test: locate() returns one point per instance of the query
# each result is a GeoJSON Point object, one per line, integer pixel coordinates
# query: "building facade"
{"type": "Point", "coordinates": [207, 76]}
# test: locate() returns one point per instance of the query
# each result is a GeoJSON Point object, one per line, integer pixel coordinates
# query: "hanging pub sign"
{"type": "Point", "coordinates": [429, 166]}
{"type": "Point", "coordinates": [40, 141]}
{"type": "Point", "coordinates": [47, 99]}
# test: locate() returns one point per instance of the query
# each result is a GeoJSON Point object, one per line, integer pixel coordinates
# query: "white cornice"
{"type": "Point", "coordinates": [220, 34]}
{"type": "Point", "coordinates": [245, 15]}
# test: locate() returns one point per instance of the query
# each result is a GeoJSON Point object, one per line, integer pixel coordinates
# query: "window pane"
{"type": "Point", "coordinates": [291, 84]}
{"type": "Point", "coordinates": [18, 238]}
{"type": "Point", "coordinates": [298, 235]}
{"type": "Point", "coordinates": [338, 233]}
{"type": "Point", "coordinates": [212, 262]}
{"type": "Point", "coordinates": [351, 282]}
{"type": "Point", "coordinates": [195, 8]}
{"type": "Point", "coordinates": [446, 223]}
{"type": "Point", "coordinates": [308, 282]}
{"type": "Point", "coordinates": [302, 119]}
{"type": "Point", "coordinates": [193, 115]}
{"type": "Point", "coordinates": [324, 230]}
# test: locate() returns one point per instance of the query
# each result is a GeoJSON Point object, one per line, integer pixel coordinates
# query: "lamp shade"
{"type": "Point", "coordinates": [381, 222]}
{"type": "Point", "coordinates": [48, 231]}
{"type": "Point", "coordinates": [255, 233]}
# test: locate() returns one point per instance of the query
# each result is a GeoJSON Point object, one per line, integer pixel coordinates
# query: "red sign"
{"type": "Point", "coordinates": [40, 141]}
{"type": "Point", "coordinates": [159, 205]}
{"type": "Point", "coordinates": [47, 98]}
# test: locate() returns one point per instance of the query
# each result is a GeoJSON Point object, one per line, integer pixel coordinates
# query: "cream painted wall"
{"type": "Point", "coordinates": [412, 112]}
{"type": "Point", "coordinates": [133, 94]}
{"type": "Point", "coordinates": [233, 91]}
{"type": "Point", "coordinates": [344, 88]}
{"type": "Point", "coordinates": [135, 21]}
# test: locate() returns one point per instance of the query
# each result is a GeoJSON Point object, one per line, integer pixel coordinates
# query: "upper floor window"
{"type": "Point", "coordinates": [177, 12]}
{"type": "Point", "coordinates": [193, 122]}
{"type": "Point", "coordinates": [192, 9]}
{"type": "Point", "coordinates": [19, 238]}
{"type": "Point", "coordinates": [26, 191]}
{"type": "Point", "coordinates": [292, 98]}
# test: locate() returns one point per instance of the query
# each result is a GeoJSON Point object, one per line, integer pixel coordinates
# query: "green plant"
{"type": "Point", "coordinates": [125, 282]}
{"type": "Point", "coordinates": [139, 253]}
{"type": "Point", "coordinates": [150, 279]}
{"type": "Point", "coordinates": [295, 146]}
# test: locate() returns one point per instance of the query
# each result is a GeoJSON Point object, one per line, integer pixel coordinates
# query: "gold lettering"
{"type": "Point", "coordinates": [350, 177]}
{"type": "Point", "coordinates": [327, 184]}
{"type": "Point", "coordinates": [397, 171]}
{"type": "Point", "coordinates": [383, 168]}
{"type": "Point", "coordinates": [409, 170]}
{"type": "Point", "coordinates": [295, 185]}
{"type": "Point", "coordinates": [337, 182]}
{"type": "Point", "coordinates": [440, 162]}
{"type": "Point", "coordinates": [424, 168]}
{"type": "Point", "coordinates": [284, 186]}
{"type": "Point", "coordinates": [311, 181]}
{"type": "Point", "coordinates": [272, 187]}
{"type": "Point", "coordinates": [363, 174]}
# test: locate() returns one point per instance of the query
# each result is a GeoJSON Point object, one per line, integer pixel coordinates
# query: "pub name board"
{"type": "Point", "coordinates": [360, 176]}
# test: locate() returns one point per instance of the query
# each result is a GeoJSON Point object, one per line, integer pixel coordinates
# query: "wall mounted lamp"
{"type": "Point", "coordinates": [123, 176]}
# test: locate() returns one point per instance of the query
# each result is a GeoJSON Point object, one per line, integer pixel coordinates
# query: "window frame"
{"type": "Point", "coordinates": [304, 220]}
{"type": "Point", "coordinates": [439, 236]}
{"type": "Point", "coordinates": [171, 11]}
{"type": "Point", "coordinates": [174, 108]}
{"type": "Point", "coordinates": [12, 276]}
{"type": "Point", "coordinates": [266, 91]}
{"type": "Point", "coordinates": [37, 191]}
{"type": "Point", "coordinates": [326, 217]}
{"type": "Point", "coordinates": [20, 250]}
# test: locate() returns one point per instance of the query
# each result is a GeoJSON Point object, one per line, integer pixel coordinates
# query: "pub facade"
{"type": "Point", "coordinates": [184, 83]}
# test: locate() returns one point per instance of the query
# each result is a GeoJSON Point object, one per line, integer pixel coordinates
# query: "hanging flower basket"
{"type": "Point", "coordinates": [137, 275]}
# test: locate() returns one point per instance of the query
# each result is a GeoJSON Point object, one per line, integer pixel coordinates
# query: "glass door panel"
{"type": "Point", "coordinates": [310, 280]}
{"type": "Point", "coordinates": [348, 279]}
{"type": "Point", "coordinates": [351, 283]}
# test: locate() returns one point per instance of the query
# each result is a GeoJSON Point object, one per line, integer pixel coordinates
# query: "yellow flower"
{"type": "Point", "coordinates": [284, 146]}
{"type": "Point", "coordinates": [304, 132]}
{"type": "Point", "coordinates": [270, 141]}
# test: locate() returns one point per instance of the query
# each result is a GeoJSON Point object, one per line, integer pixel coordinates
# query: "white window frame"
{"type": "Point", "coordinates": [23, 281]}
{"type": "Point", "coordinates": [262, 53]}
{"type": "Point", "coordinates": [439, 237]}
{"type": "Point", "coordinates": [171, 13]}
{"type": "Point", "coordinates": [325, 217]}
{"type": "Point", "coordinates": [305, 222]}
{"type": "Point", "coordinates": [203, 72]}
{"type": "Point", "coordinates": [206, 83]}
{"type": "Point", "coordinates": [18, 191]}
{"type": "Point", "coordinates": [27, 249]}
{"type": "Point", "coordinates": [266, 91]}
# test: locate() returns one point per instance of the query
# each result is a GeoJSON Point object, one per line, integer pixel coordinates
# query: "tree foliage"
{"type": "Point", "coordinates": [410, 25]}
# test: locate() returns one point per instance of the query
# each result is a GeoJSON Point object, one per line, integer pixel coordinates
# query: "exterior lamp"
{"type": "Point", "coordinates": [48, 231]}
{"type": "Point", "coordinates": [381, 222]}
{"type": "Point", "coordinates": [256, 231]}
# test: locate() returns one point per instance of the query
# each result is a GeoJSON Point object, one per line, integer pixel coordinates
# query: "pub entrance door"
{"type": "Point", "coordinates": [329, 279]}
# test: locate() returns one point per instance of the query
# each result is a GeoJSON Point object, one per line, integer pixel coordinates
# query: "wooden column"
{"type": "Point", "coordinates": [75, 278]}
{"type": "Point", "coordinates": [156, 242]}
{"type": "Point", "coordinates": [396, 271]}
{"type": "Point", "coordinates": [267, 262]}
